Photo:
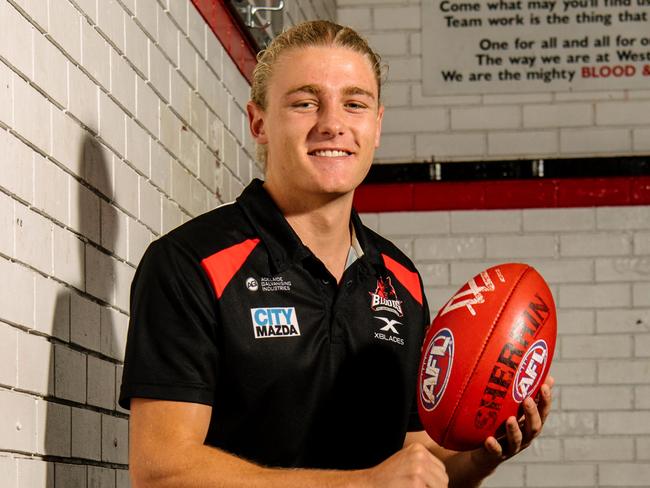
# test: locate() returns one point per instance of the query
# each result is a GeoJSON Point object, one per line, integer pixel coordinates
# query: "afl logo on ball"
{"type": "Point", "coordinates": [530, 370]}
{"type": "Point", "coordinates": [436, 369]}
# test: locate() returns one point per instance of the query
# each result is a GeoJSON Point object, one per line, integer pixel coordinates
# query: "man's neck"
{"type": "Point", "coordinates": [323, 225]}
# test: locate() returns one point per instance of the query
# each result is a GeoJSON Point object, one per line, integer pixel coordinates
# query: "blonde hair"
{"type": "Point", "coordinates": [307, 34]}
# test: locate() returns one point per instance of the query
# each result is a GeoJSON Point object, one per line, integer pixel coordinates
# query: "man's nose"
{"type": "Point", "coordinates": [330, 120]}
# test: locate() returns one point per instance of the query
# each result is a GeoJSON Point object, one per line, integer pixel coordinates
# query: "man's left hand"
{"type": "Point", "coordinates": [519, 432]}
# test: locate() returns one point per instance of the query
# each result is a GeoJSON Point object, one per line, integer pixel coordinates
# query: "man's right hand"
{"type": "Point", "coordinates": [412, 467]}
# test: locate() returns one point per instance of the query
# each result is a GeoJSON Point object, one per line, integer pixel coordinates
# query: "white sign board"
{"type": "Point", "coordinates": [499, 46]}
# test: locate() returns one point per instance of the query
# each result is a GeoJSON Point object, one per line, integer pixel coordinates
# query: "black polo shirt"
{"type": "Point", "coordinates": [232, 310]}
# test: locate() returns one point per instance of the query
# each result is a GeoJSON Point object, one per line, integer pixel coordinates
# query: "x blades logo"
{"type": "Point", "coordinates": [388, 332]}
{"type": "Point", "coordinates": [390, 325]}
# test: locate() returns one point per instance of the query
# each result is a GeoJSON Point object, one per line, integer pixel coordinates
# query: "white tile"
{"type": "Point", "coordinates": [32, 121]}
{"type": "Point", "coordinates": [16, 43]}
{"type": "Point", "coordinates": [68, 258]}
{"type": "Point", "coordinates": [101, 383]}
{"type": "Point", "coordinates": [623, 113]}
{"type": "Point", "coordinates": [136, 45]}
{"type": "Point", "coordinates": [187, 60]}
{"type": "Point", "coordinates": [137, 146]}
{"type": "Point", "coordinates": [84, 322]}
{"type": "Point", "coordinates": [68, 141]}
{"type": "Point", "coordinates": [51, 189]}
{"type": "Point", "coordinates": [33, 239]}
{"type": "Point", "coordinates": [170, 130]}
{"type": "Point", "coordinates": [159, 71]}
{"type": "Point", "coordinates": [525, 144]}
{"type": "Point", "coordinates": [52, 308]}
{"type": "Point", "coordinates": [17, 424]}
{"type": "Point", "coordinates": [145, 13]}
{"type": "Point", "coordinates": [558, 115]}
{"type": "Point", "coordinates": [112, 124]}
{"type": "Point", "coordinates": [488, 118]}
{"type": "Point", "coordinates": [126, 188]}
{"type": "Point", "coordinates": [8, 355]}
{"type": "Point", "coordinates": [441, 146]}
{"type": "Point", "coordinates": [84, 211]}
{"type": "Point", "coordinates": [83, 98]}
{"type": "Point", "coordinates": [402, 18]}
{"type": "Point", "coordinates": [50, 69]}
{"type": "Point", "coordinates": [197, 30]}
{"type": "Point", "coordinates": [168, 35]}
{"type": "Point", "coordinates": [110, 21]}
{"type": "Point", "coordinates": [22, 284]}
{"type": "Point", "coordinates": [100, 274]}
{"type": "Point", "coordinates": [6, 94]}
{"type": "Point", "coordinates": [114, 229]}
{"type": "Point", "coordinates": [95, 53]}
{"type": "Point", "coordinates": [35, 361]}
{"type": "Point", "coordinates": [147, 106]}
{"type": "Point", "coordinates": [115, 439]}
{"type": "Point", "coordinates": [69, 374]}
{"type": "Point", "coordinates": [53, 429]}
{"type": "Point", "coordinates": [595, 140]}
{"type": "Point", "coordinates": [34, 472]}
{"type": "Point", "coordinates": [150, 205]}
{"type": "Point", "coordinates": [86, 434]}
{"type": "Point", "coordinates": [69, 474]}
{"type": "Point", "coordinates": [180, 96]}
{"type": "Point", "coordinates": [123, 82]}
{"type": "Point", "coordinates": [415, 120]}
{"type": "Point", "coordinates": [16, 167]}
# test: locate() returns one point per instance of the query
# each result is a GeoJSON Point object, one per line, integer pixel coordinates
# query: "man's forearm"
{"type": "Point", "coordinates": [203, 466]}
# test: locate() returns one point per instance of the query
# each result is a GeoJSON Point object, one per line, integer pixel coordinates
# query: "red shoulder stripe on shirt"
{"type": "Point", "coordinates": [223, 265]}
{"type": "Point", "coordinates": [408, 279]}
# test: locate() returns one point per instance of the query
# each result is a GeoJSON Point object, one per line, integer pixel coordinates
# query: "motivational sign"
{"type": "Point", "coordinates": [500, 46]}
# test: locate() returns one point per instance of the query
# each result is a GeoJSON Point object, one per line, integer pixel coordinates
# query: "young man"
{"type": "Point", "coordinates": [278, 332]}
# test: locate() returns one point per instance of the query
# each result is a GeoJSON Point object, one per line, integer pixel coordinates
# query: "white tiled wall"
{"type": "Point", "coordinates": [597, 263]}
{"type": "Point", "coordinates": [119, 120]}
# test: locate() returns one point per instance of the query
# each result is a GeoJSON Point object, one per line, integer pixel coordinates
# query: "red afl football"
{"type": "Point", "coordinates": [489, 348]}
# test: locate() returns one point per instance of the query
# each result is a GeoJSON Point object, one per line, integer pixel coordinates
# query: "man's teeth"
{"type": "Point", "coordinates": [330, 154]}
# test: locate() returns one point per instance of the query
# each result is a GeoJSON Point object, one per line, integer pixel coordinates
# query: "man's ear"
{"type": "Point", "coordinates": [256, 122]}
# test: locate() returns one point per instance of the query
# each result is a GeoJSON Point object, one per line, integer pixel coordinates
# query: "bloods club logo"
{"type": "Point", "coordinates": [530, 371]}
{"type": "Point", "coordinates": [436, 369]}
{"type": "Point", "coordinates": [384, 298]}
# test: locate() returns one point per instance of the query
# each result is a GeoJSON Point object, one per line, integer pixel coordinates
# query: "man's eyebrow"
{"type": "Point", "coordinates": [356, 90]}
{"type": "Point", "coordinates": [315, 90]}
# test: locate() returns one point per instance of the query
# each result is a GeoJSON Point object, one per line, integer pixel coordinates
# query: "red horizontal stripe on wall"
{"type": "Point", "coordinates": [503, 194]}
{"type": "Point", "coordinates": [222, 22]}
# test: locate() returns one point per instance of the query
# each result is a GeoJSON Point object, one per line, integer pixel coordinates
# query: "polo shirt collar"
{"type": "Point", "coordinates": [281, 241]}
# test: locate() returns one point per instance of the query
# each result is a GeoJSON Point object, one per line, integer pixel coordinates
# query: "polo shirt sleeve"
{"type": "Point", "coordinates": [414, 424]}
{"type": "Point", "coordinates": [171, 351]}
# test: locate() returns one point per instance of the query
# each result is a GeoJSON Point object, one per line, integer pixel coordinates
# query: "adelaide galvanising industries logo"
{"type": "Point", "coordinates": [384, 298]}
{"type": "Point", "coordinates": [530, 371]}
{"type": "Point", "coordinates": [275, 322]}
{"type": "Point", "coordinates": [436, 369]}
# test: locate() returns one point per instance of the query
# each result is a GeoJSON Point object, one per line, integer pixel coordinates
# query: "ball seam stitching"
{"type": "Point", "coordinates": [482, 351]}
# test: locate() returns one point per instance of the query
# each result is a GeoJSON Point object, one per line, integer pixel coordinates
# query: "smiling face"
{"type": "Point", "coordinates": [322, 122]}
